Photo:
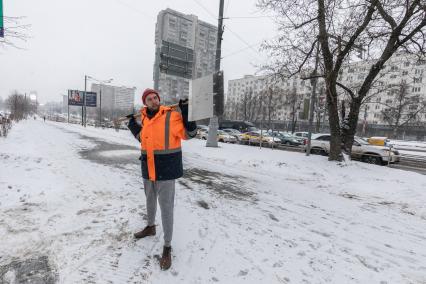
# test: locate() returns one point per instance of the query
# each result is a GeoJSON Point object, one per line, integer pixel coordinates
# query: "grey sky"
{"type": "Point", "coordinates": [114, 39]}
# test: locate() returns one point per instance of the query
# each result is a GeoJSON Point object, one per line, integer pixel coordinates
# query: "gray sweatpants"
{"type": "Point", "coordinates": [164, 190]}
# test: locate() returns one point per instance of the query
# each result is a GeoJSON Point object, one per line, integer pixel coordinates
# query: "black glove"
{"type": "Point", "coordinates": [189, 126]}
{"type": "Point", "coordinates": [133, 126]}
{"type": "Point", "coordinates": [183, 105]}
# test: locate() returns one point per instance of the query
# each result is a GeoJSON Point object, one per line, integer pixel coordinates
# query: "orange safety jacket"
{"type": "Point", "coordinates": [160, 138]}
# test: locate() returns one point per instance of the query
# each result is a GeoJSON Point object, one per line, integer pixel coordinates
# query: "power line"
{"type": "Point", "coordinates": [245, 48]}
{"type": "Point", "coordinates": [134, 9]}
{"type": "Point", "coordinates": [235, 34]}
{"type": "Point", "coordinates": [254, 17]}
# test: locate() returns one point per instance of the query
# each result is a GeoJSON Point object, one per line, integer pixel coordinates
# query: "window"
{"type": "Point", "coordinates": [324, 138]}
{"type": "Point", "coordinates": [406, 64]}
{"type": "Point", "coordinates": [404, 73]}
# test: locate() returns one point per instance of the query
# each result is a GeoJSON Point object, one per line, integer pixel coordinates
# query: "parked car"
{"type": "Point", "coordinates": [378, 141]}
{"type": "Point", "coordinates": [302, 136]}
{"type": "Point", "coordinates": [202, 133]}
{"type": "Point", "coordinates": [201, 126]}
{"type": "Point", "coordinates": [379, 155]}
{"type": "Point", "coordinates": [250, 138]}
{"type": "Point", "coordinates": [234, 132]}
{"type": "Point", "coordinates": [221, 136]}
{"type": "Point", "coordinates": [254, 137]}
{"type": "Point", "coordinates": [286, 138]}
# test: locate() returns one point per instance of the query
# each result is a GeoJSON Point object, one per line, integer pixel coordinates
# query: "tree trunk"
{"type": "Point", "coordinates": [349, 133]}
{"type": "Point", "coordinates": [335, 141]}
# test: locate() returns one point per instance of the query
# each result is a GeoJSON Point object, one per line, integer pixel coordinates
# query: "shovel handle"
{"type": "Point", "coordinates": [121, 119]}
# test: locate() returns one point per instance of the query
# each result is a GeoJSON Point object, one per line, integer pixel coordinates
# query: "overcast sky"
{"type": "Point", "coordinates": [115, 39]}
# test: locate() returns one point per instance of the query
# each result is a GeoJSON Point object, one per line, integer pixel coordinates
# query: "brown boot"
{"type": "Point", "coordinates": [148, 231]}
{"type": "Point", "coordinates": [166, 259]}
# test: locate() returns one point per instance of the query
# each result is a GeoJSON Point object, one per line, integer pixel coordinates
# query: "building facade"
{"type": "Point", "coordinates": [185, 49]}
{"type": "Point", "coordinates": [257, 98]}
{"type": "Point", "coordinates": [112, 101]}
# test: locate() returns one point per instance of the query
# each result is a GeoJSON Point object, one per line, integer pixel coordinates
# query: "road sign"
{"type": "Point", "coordinates": [1, 19]}
{"type": "Point", "coordinates": [201, 98]}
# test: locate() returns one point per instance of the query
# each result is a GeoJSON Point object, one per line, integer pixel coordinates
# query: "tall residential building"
{"type": "Point", "coordinates": [114, 101]}
{"type": "Point", "coordinates": [185, 49]}
{"type": "Point", "coordinates": [249, 98]}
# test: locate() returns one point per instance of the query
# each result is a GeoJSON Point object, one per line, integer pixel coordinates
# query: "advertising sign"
{"type": "Point", "coordinates": [91, 99]}
{"type": "Point", "coordinates": [75, 98]}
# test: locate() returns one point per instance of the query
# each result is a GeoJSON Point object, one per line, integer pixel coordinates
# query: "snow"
{"type": "Point", "coordinates": [242, 214]}
{"type": "Point", "coordinates": [409, 145]}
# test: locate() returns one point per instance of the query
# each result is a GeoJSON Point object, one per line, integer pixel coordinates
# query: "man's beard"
{"type": "Point", "coordinates": [154, 108]}
{"type": "Point", "coordinates": [151, 112]}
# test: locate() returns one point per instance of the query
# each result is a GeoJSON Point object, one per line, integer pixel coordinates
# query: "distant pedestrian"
{"type": "Point", "coordinates": [44, 118]}
{"type": "Point", "coordinates": [160, 133]}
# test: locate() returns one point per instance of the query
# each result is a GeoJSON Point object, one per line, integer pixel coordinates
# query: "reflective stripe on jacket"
{"type": "Point", "coordinates": [161, 144]}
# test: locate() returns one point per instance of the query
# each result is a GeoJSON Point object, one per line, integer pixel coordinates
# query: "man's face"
{"type": "Point", "coordinates": [152, 101]}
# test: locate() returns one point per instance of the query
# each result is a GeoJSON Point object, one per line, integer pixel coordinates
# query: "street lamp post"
{"type": "Point", "coordinates": [100, 93]}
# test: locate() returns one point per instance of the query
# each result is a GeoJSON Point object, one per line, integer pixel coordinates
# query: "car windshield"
{"type": "Point", "coordinates": [360, 141]}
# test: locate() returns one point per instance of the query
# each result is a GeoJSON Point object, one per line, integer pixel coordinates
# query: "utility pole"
{"type": "Point", "coordinates": [84, 99]}
{"type": "Point", "coordinates": [218, 85]}
{"type": "Point", "coordinates": [100, 104]}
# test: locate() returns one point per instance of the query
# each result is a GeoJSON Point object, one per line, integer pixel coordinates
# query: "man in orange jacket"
{"type": "Point", "coordinates": [160, 133]}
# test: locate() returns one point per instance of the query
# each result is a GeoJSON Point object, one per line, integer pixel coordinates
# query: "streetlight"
{"type": "Point", "coordinates": [100, 93]}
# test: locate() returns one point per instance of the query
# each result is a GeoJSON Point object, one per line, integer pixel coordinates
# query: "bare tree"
{"type": "Point", "coordinates": [404, 109]}
{"type": "Point", "coordinates": [293, 100]}
{"type": "Point", "coordinates": [15, 32]}
{"type": "Point", "coordinates": [371, 29]}
{"type": "Point", "coordinates": [19, 105]}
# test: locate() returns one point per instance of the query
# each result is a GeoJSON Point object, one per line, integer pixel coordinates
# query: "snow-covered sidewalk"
{"type": "Point", "coordinates": [73, 196]}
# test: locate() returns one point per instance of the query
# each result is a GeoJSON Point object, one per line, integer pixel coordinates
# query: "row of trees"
{"type": "Point", "coordinates": [272, 103]}
{"type": "Point", "coordinates": [19, 105]}
{"type": "Point", "coordinates": [331, 33]}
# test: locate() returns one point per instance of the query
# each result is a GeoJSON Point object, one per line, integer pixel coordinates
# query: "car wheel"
{"type": "Point", "coordinates": [204, 138]}
{"type": "Point", "coordinates": [317, 151]}
{"type": "Point", "coordinates": [371, 159]}
{"type": "Point", "coordinates": [221, 140]}
{"type": "Point", "coordinates": [287, 143]}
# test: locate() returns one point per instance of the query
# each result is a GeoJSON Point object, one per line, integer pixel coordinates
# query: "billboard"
{"type": "Point", "coordinates": [1, 19]}
{"type": "Point", "coordinates": [76, 98]}
{"type": "Point", "coordinates": [91, 99]}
